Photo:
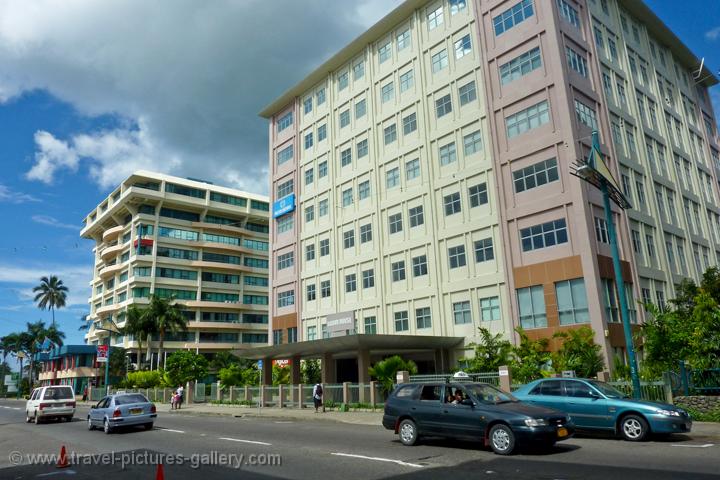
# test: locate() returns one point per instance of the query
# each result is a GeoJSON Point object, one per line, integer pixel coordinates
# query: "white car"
{"type": "Point", "coordinates": [52, 401]}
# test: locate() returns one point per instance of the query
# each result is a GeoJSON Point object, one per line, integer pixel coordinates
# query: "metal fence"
{"type": "Point", "coordinates": [491, 378]}
{"type": "Point", "coordinates": [652, 391]}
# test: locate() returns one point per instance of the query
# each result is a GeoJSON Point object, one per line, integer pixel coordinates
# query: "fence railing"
{"type": "Point", "coordinates": [652, 391]}
{"type": "Point", "coordinates": [492, 378]}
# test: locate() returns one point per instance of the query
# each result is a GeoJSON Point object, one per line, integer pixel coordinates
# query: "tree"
{"type": "Point", "coordinates": [184, 366]}
{"type": "Point", "coordinates": [86, 322]}
{"type": "Point", "coordinates": [280, 375]}
{"type": "Point", "coordinates": [704, 338]}
{"type": "Point", "coordinates": [529, 358]}
{"type": "Point", "coordinates": [385, 371]}
{"type": "Point", "coordinates": [579, 352]}
{"type": "Point", "coordinates": [231, 376]}
{"type": "Point", "coordinates": [118, 362]}
{"type": "Point", "coordinates": [166, 317]}
{"type": "Point", "coordinates": [310, 371]}
{"type": "Point", "coordinates": [139, 325]}
{"type": "Point", "coordinates": [491, 353]}
{"type": "Point", "coordinates": [36, 335]}
{"type": "Point", "coordinates": [225, 359]}
{"type": "Point", "coordinates": [51, 294]}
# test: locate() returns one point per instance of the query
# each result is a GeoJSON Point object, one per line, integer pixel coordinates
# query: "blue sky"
{"type": "Point", "coordinates": [90, 93]}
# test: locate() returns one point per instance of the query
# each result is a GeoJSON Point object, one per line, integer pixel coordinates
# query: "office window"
{"type": "Point", "coordinates": [360, 109]}
{"type": "Point", "coordinates": [384, 52]}
{"type": "Point", "coordinates": [311, 333]}
{"type": "Point", "coordinates": [364, 190]}
{"type": "Point", "coordinates": [520, 66]}
{"type": "Point", "coordinates": [344, 118]}
{"type": "Point", "coordinates": [610, 300]}
{"type": "Point", "coordinates": [568, 12]}
{"type": "Point", "coordinates": [395, 223]}
{"type": "Point", "coordinates": [435, 18]}
{"type": "Point", "coordinates": [443, 106]}
{"type": "Point", "coordinates": [412, 169]}
{"type": "Point", "coordinates": [467, 93]}
{"type": "Point", "coordinates": [286, 260]}
{"type": "Point", "coordinates": [484, 250]}
{"type": "Point", "coordinates": [390, 134]}
{"type": "Point", "coordinates": [368, 277]}
{"type": "Point", "coordinates": [576, 61]}
{"type": "Point", "coordinates": [601, 230]}
{"type": "Point", "coordinates": [456, 6]}
{"type": "Point", "coordinates": [366, 233]}
{"type": "Point", "coordinates": [308, 105]}
{"type": "Point", "coordinates": [325, 288]}
{"type": "Point", "coordinates": [456, 256]}
{"type": "Point", "coordinates": [320, 96]}
{"type": "Point", "coordinates": [544, 235]}
{"type": "Point", "coordinates": [472, 142]}
{"type": "Point", "coordinates": [612, 47]}
{"type": "Point", "coordinates": [286, 299]}
{"type": "Point", "coordinates": [585, 115]}
{"type": "Point", "coordinates": [422, 317]}
{"type": "Point", "coordinates": [478, 195]}
{"type": "Point", "coordinates": [284, 122]}
{"type": "Point", "coordinates": [419, 266]}
{"type": "Point", "coordinates": [347, 197]}
{"type": "Point", "coordinates": [285, 188]}
{"type": "Point", "coordinates": [461, 313]}
{"type": "Point", "coordinates": [324, 248]}
{"type": "Point", "coordinates": [392, 178]}
{"type": "Point", "coordinates": [439, 61]}
{"type": "Point", "coordinates": [398, 271]}
{"type": "Point", "coordinates": [528, 119]}
{"type": "Point", "coordinates": [401, 321]}
{"type": "Point", "coordinates": [323, 208]}
{"type": "Point", "coordinates": [409, 124]}
{"type": "Point", "coordinates": [362, 148]}
{"type": "Point", "coordinates": [284, 155]}
{"type": "Point", "coordinates": [342, 81]}
{"type": "Point", "coordinates": [452, 203]}
{"type": "Point", "coordinates": [387, 92]}
{"type": "Point", "coordinates": [531, 305]}
{"type": "Point", "coordinates": [407, 80]}
{"type": "Point", "coordinates": [309, 176]}
{"type": "Point", "coordinates": [370, 325]}
{"type": "Point", "coordinates": [448, 154]}
{"type": "Point", "coordinates": [403, 39]}
{"type": "Point", "coordinates": [350, 283]}
{"type": "Point", "coordinates": [285, 223]}
{"type": "Point", "coordinates": [519, 12]}
{"type": "Point", "coordinates": [358, 70]}
{"type": "Point", "coordinates": [345, 157]}
{"type": "Point", "coordinates": [310, 252]}
{"type": "Point", "coordinates": [650, 245]}
{"type": "Point", "coordinates": [463, 47]}
{"type": "Point", "coordinates": [572, 301]}
{"type": "Point", "coordinates": [322, 169]}
{"type": "Point", "coordinates": [489, 309]}
{"type": "Point", "coordinates": [416, 216]}
{"type": "Point", "coordinates": [349, 239]}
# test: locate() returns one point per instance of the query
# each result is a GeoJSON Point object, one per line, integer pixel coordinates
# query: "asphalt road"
{"type": "Point", "coordinates": [326, 450]}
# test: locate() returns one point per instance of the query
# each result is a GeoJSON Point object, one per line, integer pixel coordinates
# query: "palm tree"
{"type": "Point", "coordinates": [138, 324]}
{"type": "Point", "coordinates": [51, 294]}
{"type": "Point", "coordinates": [86, 323]}
{"type": "Point", "coordinates": [166, 317]}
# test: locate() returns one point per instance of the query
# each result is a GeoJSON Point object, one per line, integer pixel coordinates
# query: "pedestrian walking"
{"type": "Point", "coordinates": [85, 393]}
{"type": "Point", "coordinates": [179, 400]}
{"type": "Point", "coordinates": [318, 397]}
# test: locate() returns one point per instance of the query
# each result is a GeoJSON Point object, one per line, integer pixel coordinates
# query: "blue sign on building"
{"type": "Point", "coordinates": [284, 205]}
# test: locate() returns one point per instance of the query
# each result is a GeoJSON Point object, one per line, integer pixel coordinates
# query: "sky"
{"type": "Point", "coordinates": [92, 91]}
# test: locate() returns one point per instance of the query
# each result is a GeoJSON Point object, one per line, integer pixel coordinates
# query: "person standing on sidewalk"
{"type": "Point", "coordinates": [318, 397]}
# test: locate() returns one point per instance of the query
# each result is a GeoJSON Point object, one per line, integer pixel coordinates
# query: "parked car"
{"type": "Point", "coordinates": [594, 405]}
{"type": "Point", "coordinates": [52, 401]}
{"type": "Point", "coordinates": [122, 410]}
{"type": "Point", "coordinates": [472, 411]}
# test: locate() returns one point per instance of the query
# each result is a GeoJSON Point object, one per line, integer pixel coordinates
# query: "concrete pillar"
{"type": "Point", "coordinates": [232, 394]}
{"type": "Point", "coordinates": [505, 378]}
{"type": "Point", "coordinates": [267, 371]}
{"type": "Point", "coordinates": [295, 370]}
{"type": "Point", "coordinates": [281, 393]}
{"type": "Point", "coordinates": [442, 361]}
{"type": "Point", "coordinates": [363, 374]}
{"type": "Point", "coordinates": [346, 393]}
{"type": "Point", "coordinates": [603, 376]}
{"type": "Point", "coordinates": [402, 376]}
{"type": "Point", "coordinates": [328, 369]}
{"type": "Point", "coordinates": [373, 395]}
{"type": "Point", "coordinates": [263, 393]}
{"type": "Point", "coordinates": [247, 393]}
{"type": "Point", "coordinates": [299, 395]}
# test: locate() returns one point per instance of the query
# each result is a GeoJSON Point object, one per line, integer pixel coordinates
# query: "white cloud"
{"type": "Point", "coordinates": [9, 195]}
{"type": "Point", "coordinates": [25, 277]}
{"type": "Point", "coordinates": [185, 78]}
{"type": "Point", "coordinates": [712, 35]}
{"type": "Point", "coordinates": [53, 222]}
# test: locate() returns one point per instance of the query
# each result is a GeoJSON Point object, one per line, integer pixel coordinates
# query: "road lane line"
{"type": "Point", "coordinates": [706, 445]}
{"type": "Point", "coordinates": [170, 430]}
{"type": "Point", "coordinates": [245, 441]}
{"type": "Point", "coordinates": [378, 459]}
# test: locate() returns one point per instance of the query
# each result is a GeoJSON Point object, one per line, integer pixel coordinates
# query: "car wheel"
{"type": "Point", "coordinates": [148, 426]}
{"type": "Point", "coordinates": [502, 439]}
{"type": "Point", "coordinates": [69, 418]}
{"type": "Point", "coordinates": [106, 427]}
{"type": "Point", "coordinates": [90, 425]}
{"type": "Point", "coordinates": [28, 418]}
{"type": "Point", "coordinates": [634, 428]}
{"type": "Point", "coordinates": [408, 432]}
{"type": "Point", "coordinates": [36, 418]}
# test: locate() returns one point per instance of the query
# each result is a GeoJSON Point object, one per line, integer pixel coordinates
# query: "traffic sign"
{"type": "Point", "coordinates": [260, 364]}
{"type": "Point", "coordinates": [102, 353]}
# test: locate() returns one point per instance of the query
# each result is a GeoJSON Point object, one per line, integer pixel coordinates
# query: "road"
{"type": "Point", "coordinates": [330, 450]}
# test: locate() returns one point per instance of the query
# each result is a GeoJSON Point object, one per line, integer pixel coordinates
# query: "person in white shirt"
{"type": "Point", "coordinates": [318, 397]}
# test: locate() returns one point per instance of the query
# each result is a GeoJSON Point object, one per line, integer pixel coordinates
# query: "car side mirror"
{"type": "Point", "coordinates": [594, 395]}
{"type": "Point", "coordinates": [468, 402]}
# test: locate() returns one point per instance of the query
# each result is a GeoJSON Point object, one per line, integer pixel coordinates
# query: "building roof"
{"type": "Point", "coordinates": [66, 350]}
{"type": "Point", "coordinates": [635, 7]}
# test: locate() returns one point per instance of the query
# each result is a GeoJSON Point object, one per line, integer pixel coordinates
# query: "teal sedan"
{"type": "Point", "coordinates": [594, 405]}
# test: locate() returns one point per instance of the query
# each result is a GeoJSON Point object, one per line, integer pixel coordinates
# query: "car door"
{"type": "Point", "coordinates": [98, 413]}
{"type": "Point", "coordinates": [460, 420]}
{"type": "Point", "coordinates": [548, 393]}
{"type": "Point", "coordinates": [426, 410]}
{"type": "Point", "coordinates": [32, 403]}
{"type": "Point", "coordinates": [586, 407]}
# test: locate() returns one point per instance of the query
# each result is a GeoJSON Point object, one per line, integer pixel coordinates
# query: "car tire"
{"type": "Point", "coordinates": [148, 426]}
{"type": "Point", "coordinates": [68, 418]}
{"type": "Point", "coordinates": [28, 418]}
{"type": "Point", "coordinates": [502, 439]}
{"type": "Point", "coordinates": [408, 433]}
{"type": "Point", "coordinates": [90, 425]}
{"type": "Point", "coordinates": [106, 427]}
{"type": "Point", "coordinates": [36, 418]}
{"type": "Point", "coordinates": [634, 428]}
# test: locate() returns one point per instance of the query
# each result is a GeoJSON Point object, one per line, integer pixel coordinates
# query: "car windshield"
{"type": "Point", "coordinates": [126, 399]}
{"type": "Point", "coordinates": [489, 394]}
{"type": "Point", "coordinates": [607, 390]}
{"type": "Point", "coordinates": [58, 393]}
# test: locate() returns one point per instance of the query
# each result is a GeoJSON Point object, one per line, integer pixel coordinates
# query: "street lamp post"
{"type": "Point", "coordinates": [107, 360]}
{"type": "Point", "coordinates": [595, 172]}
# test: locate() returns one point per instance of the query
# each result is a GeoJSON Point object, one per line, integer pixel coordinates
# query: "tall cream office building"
{"type": "Point", "coordinates": [421, 176]}
{"type": "Point", "coordinates": [204, 244]}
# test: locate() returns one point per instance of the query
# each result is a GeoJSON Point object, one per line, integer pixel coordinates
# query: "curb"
{"type": "Point", "coordinates": [272, 416]}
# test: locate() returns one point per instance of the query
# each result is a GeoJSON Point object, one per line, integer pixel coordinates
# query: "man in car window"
{"type": "Point", "coordinates": [458, 397]}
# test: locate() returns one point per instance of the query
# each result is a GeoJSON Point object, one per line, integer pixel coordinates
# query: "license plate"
{"type": "Point", "coordinates": [562, 432]}
{"type": "Point", "coordinates": [136, 411]}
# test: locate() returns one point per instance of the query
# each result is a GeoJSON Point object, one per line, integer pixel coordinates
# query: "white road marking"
{"type": "Point", "coordinates": [284, 422]}
{"type": "Point", "coordinates": [61, 472]}
{"type": "Point", "coordinates": [170, 430]}
{"type": "Point", "coordinates": [707, 445]}
{"type": "Point", "coordinates": [379, 459]}
{"type": "Point", "coordinates": [245, 441]}
{"type": "Point", "coordinates": [16, 408]}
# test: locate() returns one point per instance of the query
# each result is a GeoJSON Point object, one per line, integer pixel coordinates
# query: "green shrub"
{"type": "Point", "coordinates": [713, 416]}
{"type": "Point", "coordinates": [143, 379]}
